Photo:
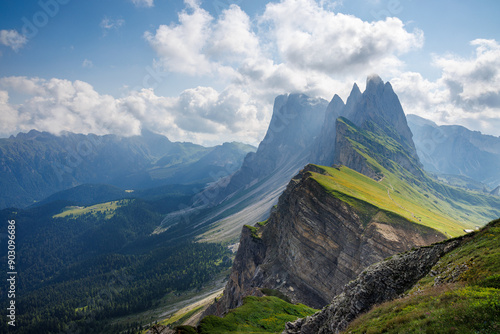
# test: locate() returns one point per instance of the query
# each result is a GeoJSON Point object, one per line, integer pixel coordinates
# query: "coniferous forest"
{"type": "Point", "coordinates": [80, 271]}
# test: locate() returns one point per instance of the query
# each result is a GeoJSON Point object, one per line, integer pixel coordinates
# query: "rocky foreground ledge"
{"type": "Point", "coordinates": [378, 283]}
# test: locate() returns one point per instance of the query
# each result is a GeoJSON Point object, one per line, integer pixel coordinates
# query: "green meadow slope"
{"type": "Point", "coordinates": [413, 195]}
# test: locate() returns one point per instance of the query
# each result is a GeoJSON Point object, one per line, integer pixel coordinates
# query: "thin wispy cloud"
{"type": "Point", "coordinates": [87, 63]}
{"type": "Point", "coordinates": [143, 3]}
{"type": "Point", "coordinates": [108, 24]}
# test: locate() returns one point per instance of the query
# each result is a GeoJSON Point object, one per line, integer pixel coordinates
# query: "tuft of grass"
{"type": "Point", "coordinates": [254, 231]}
{"type": "Point", "coordinates": [469, 309]}
{"type": "Point", "coordinates": [263, 223]}
{"type": "Point", "coordinates": [256, 315]}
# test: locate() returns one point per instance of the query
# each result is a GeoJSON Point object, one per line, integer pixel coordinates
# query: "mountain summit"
{"type": "Point", "coordinates": [377, 110]}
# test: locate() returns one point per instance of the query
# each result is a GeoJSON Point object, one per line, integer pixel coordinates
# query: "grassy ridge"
{"type": "Point", "coordinates": [257, 315]}
{"type": "Point", "coordinates": [467, 300]}
{"type": "Point", "coordinates": [369, 196]}
{"type": "Point", "coordinates": [420, 199]}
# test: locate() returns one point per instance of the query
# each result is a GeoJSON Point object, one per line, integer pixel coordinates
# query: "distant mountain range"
{"type": "Point", "coordinates": [456, 150]}
{"type": "Point", "coordinates": [36, 165]}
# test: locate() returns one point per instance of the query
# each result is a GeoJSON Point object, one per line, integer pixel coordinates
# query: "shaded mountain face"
{"type": "Point", "coordinates": [324, 148]}
{"type": "Point", "coordinates": [451, 149]}
{"type": "Point", "coordinates": [379, 110]}
{"type": "Point", "coordinates": [37, 164]}
{"type": "Point", "coordinates": [248, 195]}
{"type": "Point", "coordinates": [353, 145]}
{"type": "Point", "coordinates": [296, 121]}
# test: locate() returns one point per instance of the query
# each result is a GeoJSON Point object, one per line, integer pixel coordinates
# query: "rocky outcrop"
{"type": "Point", "coordinates": [378, 283]}
{"type": "Point", "coordinates": [312, 245]}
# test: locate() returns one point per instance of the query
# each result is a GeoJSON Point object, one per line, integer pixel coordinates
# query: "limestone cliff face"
{"type": "Point", "coordinates": [312, 245]}
{"type": "Point", "coordinates": [379, 283]}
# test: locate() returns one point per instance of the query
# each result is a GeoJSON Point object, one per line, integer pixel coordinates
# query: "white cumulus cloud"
{"type": "Point", "coordinates": [12, 39]}
{"type": "Point", "coordinates": [180, 47]}
{"type": "Point", "coordinates": [467, 93]}
{"type": "Point", "coordinates": [87, 63]}
{"type": "Point", "coordinates": [309, 37]}
{"type": "Point", "coordinates": [201, 114]}
{"type": "Point", "coordinates": [294, 46]}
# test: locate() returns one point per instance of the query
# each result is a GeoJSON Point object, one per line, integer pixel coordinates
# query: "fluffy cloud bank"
{"type": "Point", "coordinates": [200, 115]}
{"type": "Point", "coordinates": [467, 93]}
{"type": "Point", "coordinates": [293, 46]}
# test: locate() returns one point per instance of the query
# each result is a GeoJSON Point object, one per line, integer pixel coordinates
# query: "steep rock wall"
{"type": "Point", "coordinates": [380, 282]}
{"type": "Point", "coordinates": [312, 245]}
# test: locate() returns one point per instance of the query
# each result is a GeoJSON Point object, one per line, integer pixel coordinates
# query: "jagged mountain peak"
{"type": "Point", "coordinates": [295, 123]}
{"type": "Point", "coordinates": [374, 82]}
{"type": "Point", "coordinates": [355, 91]}
{"type": "Point", "coordinates": [377, 109]}
{"type": "Point", "coordinates": [337, 100]}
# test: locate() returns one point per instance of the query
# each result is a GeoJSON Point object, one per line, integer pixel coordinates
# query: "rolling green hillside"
{"type": "Point", "coordinates": [392, 194]}
{"type": "Point", "coordinates": [107, 209]}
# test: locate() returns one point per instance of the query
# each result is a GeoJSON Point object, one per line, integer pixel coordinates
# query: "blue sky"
{"type": "Point", "coordinates": [208, 71]}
